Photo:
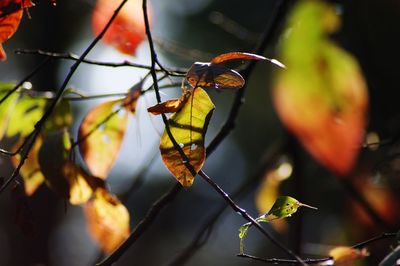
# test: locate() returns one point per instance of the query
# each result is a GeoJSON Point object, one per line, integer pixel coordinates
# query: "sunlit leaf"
{"type": "Point", "coordinates": [79, 189]}
{"type": "Point", "coordinates": [235, 56]}
{"type": "Point", "coordinates": [100, 136]}
{"type": "Point", "coordinates": [107, 220]}
{"type": "Point", "coordinates": [188, 127]}
{"type": "Point", "coordinates": [12, 11]}
{"type": "Point", "coordinates": [170, 106]}
{"type": "Point", "coordinates": [25, 115]}
{"type": "Point", "coordinates": [30, 170]}
{"type": "Point", "coordinates": [127, 31]}
{"type": "Point", "coordinates": [347, 256]}
{"type": "Point", "coordinates": [216, 75]}
{"type": "Point", "coordinates": [321, 96]}
{"type": "Point", "coordinates": [7, 107]}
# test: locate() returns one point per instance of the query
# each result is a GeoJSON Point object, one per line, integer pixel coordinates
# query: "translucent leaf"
{"type": "Point", "coordinates": [235, 56]}
{"type": "Point", "coordinates": [7, 107]}
{"type": "Point", "coordinates": [170, 106]}
{"type": "Point", "coordinates": [30, 171]}
{"type": "Point", "coordinates": [321, 76]}
{"type": "Point", "coordinates": [188, 126]}
{"type": "Point", "coordinates": [127, 31]}
{"type": "Point", "coordinates": [283, 207]}
{"type": "Point", "coordinates": [100, 136]}
{"type": "Point", "coordinates": [79, 189]}
{"type": "Point", "coordinates": [107, 220]}
{"type": "Point", "coordinates": [61, 117]}
{"type": "Point", "coordinates": [9, 23]}
{"type": "Point", "coordinates": [347, 256]}
{"type": "Point", "coordinates": [25, 115]}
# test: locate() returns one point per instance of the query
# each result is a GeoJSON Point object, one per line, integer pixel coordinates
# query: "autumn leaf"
{"type": "Point", "coordinates": [127, 30]}
{"type": "Point", "coordinates": [30, 171]}
{"type": "Point", "coordinates": [107, 220]}
{"type": "Point", "coordinates": [170, 106]}
{"type": "Point", "coordinates": [188, 127]}
{"type": "Point", "coordinates": [347, 256]}
{"type": "Point", "coordinates": [131, 99]}
{"type": "Point", "coordinates": [216, 75]}
{"type": "Point", "coordinates": [6, 107]}
{"type": "Point", "coordinates": [60, 118]}
{"type": "Point", "coordinates": [100, 136]}
{"type": "Point", "coordinates": [321, 96]}
{"type": "Point", "coordinates": [10, 16]}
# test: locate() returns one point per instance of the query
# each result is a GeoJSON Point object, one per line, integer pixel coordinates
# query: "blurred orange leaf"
{"type": "Point", "coordinates": [10, 16]}
{"type": "Point", "coordinates": [131, 99]}
{"type": "Point", "coordinates": [30, 171]}
{"type": "Point", "coordinates": [216, 75]}
{"type": "Point", "coordinates": [188, 127]}
{"type": "Point", "coordinates": [100, 136]}
{"type": "Point", "coordinates": [107, 220]}
{"type": "Point", "coordinates": [127, 30]}
{"type": "Point", "coordinates": [346, 256]}
{"type": "Point", "coordinates": [322, 96]}
{"type": "Point", "coordinates": [170, 106]}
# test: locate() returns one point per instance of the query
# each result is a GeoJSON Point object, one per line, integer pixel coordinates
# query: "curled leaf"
{"type": "Point", "coordinates": [347, 256]}
{"type": "Point", "coordinates": [321, 76]}
{"type": "Point", "coordinates": [130, 101]}
{"type": "Point", "coordinates": [100, 136]}
{"type": "Point", "coordinates": [107, 220]}
{"type": "Point", "coordinates": [170, 106]}
{"type": "Point", "coordinates": [188, 127]}
{"type": "Point", "coordinates": [235, 56]}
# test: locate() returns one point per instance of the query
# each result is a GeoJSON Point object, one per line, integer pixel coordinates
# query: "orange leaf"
{"type": "Point", "coordinates": [234, 56]}
{"type": "Point", "coordinates": [10, 16]}
{"type": "Point", "coordinates": [131, 99]}
{"type": "Point", "coordinates": [127, 30]}
{"type": "Point", "coordinates": [346, 256]}
{"type": "Point", "coordinates": [101, 133]}
{"type": "Point", "coordinates": [107, 220]}
{"type": "Point", "coordinates": [170, 106]}
{"type": "Point", "coordinates": [188, 127]}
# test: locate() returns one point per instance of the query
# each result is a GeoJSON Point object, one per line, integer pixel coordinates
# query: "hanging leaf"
{"type": "Point", "coordinates": [216, 75]}
{"type": "Point", "coordinates": [60, 118]}
{"type": "Point", "coordinates": [80, 190]}
{"type": "Point", "coordinates": [6, 107]}
{"type": "Point", "coordinates": [100, 136]}
{"type": "Point", "coordinates": [170, 106]}
{"type": "Point", "coordinates": [347, 256]}
{"type": "Point", "coordinates": [131, 99]}
{"type": "Point", "coordinates": [10, 16]}
{"type": "Point", "coordinates": [321, 76]}
{"type": "Point", "coordinates": [188, 127]}
{"type": "Point", "coordinates": [30, 171]}
{"type": "Point", "coordinates": [127, 30]}
{"type": "Point", "coordinates": [25, 115]}
{"type": "Point", "coordinates": [107, 220]}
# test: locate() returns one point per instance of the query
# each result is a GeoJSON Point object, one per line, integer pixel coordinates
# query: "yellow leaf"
{"type": "Point", "coordinates": [30, 171]}
{"type": "Point", "coordinates": [346, 256]}
{"type": "Point", "coordinates": [188, 127]}
{"type": "Point", "coordinates": [170, 106]}
{"type": "Point", "coordinates": [107, 220]}
{"type": "Point", "coordinates": [100, 134]}
{"type": "Point", "coordinates": [79, 189]}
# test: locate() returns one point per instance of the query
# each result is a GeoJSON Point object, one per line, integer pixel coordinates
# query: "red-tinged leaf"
{"type": "Point", "coordinates": [10, 16]}
{"type": "Point", "coordinates": [100, 134]}
{"type": "Point", "coordinates": [30, 170]}
{"type": "Point", "coordinates": [322, 96]}
{"type": "Point", "coordinates": [188, 127]}
{"type": "Point", "coordinates": [347, 256]}
{"type": "Point", "coordinates": [170, 106]}
{"type": "Point", "coordinates": [128, 29]}
{"type": "Point", "coordinates": [235, 56]}
{"type": "Point", "coordinates": [23, 213]}
{"type": "Point", "coordinates": [107, 220]}
{"type": "Point", "coordinates": [207, 75]}
{"type": "Point", "coordinates": [131, 99]}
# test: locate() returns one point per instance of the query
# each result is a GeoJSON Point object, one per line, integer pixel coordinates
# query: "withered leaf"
{"type": "Point", "coordinates": [170, 106]}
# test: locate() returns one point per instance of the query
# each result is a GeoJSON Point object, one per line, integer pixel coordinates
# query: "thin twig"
{"type": "Point", "coordinates": [283, 261]}
{"type": "Point", "coordinates": [58, 96]}
{"type": "Point", "coordinates": [177, 72]}
{"type": "Point", "coordinates": [247, 217]}
{"type": "Point", "coordinates": [374, 239]}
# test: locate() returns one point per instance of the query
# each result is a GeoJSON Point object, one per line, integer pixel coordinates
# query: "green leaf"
{"type": "Point", "coordinates": [61, 117]}
{"type": "Point", "coordinates": [283, 207]}
{"type": "Point", "coordinates": [100, 136]}
{"type": "Point", "coordinates": [188, 127]}
{"type": "Point", "coordinates": [7, 107]}
{"type": "Point", "coordinates": [25, 115]}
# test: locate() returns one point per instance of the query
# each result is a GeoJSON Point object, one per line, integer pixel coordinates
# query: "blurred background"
{"type": "Point", "coordinates": [196, 30]}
